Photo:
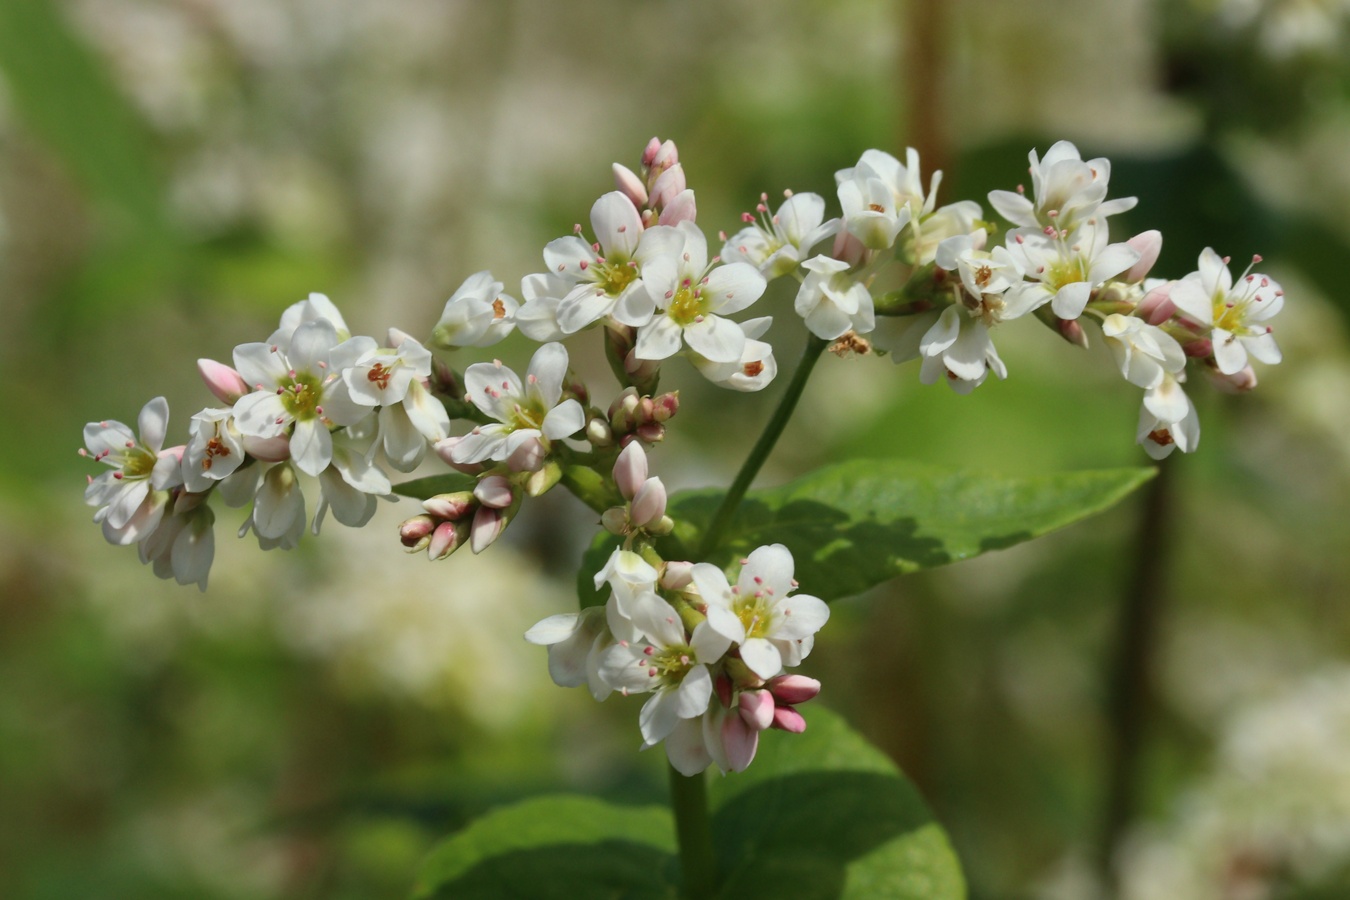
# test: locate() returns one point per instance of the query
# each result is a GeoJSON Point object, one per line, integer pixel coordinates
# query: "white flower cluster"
{"type": "Point", "coordinates": [711, 654]}
{"type": "Point", "coordinates": [1057, 262]}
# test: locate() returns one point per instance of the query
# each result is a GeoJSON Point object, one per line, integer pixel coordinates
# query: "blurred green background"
{"type": "Point", "coordinates": [173, 173]}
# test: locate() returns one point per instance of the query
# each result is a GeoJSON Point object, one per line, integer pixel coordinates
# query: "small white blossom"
{"type": "Point", "coordinates": [1065, 267]}
{"type": "Point", "coordinates": [394, 380]}
{"type": "Point", "coordinates": [1236, 315]}
{"type": "Point", "coordinates": [131, 498]}
{"type": "Point", "coordinates": [477, 314]}
{"type": "Point", "coordinates": [1145, 353]}
{"type": "Point", "coordinates": [1068, 192]}
{"type": "Point", "coordinates": [831, 301]}
{"type": "Point", "coordinates": [880, 196]}
{"type": "Point", "coordinates": [756, 368]}
{"type": "Point", "coordinates": [214, 451]}
{"type": "Point", "coordinates": [1168, 419]}
{"type": "Point", "coordinates": [775, 244]}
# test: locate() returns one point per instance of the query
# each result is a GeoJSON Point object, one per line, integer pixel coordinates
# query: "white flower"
{"type": "Point", "coordinates": [184, 545]}
{"type": "Point", "coordinates": [524, 413]}
{"type": "Point", "coordinates": [982, 272]}
{"type": "Point", "coordinates": [693, 297]}
{"type": "Point", "coordinates": [1068, 266]}
{"type": "Point", "coordinates": [311, 309]}
{"type": "Point", "coordinates": [214, 451]}
{"type": "Point", "coordinates": [1068, 192]}
{"type": "Point", "coordinates": [776, 244]}
{"type": "Point", "coordinates": [576, 643]}
{"type": "Point", "coordinates": [831, 301]}
{"type": "Point", "coordinates": [298, 387]}
{"type": "Point", "coordinates": [605, 274]}
{"type": "Point", "coordinates": [879, 196]}
{"type": "Point", "coordinates": [350, 485]}
{"type": "Point", "coordinates": [278, 515]}
{"type": "Point", "coordinates": [393, 379]}
{"type": "Point", "coordinates": [1237, 316]}
{"type": "Point", "coordinates": [1144, 352]}
{"type": "Point", "coordinates": [959, 349]}
{"type": "Point", "coordinates": [667, 662]}
{"type": "Point", "coordinates": [477, 314]}
{"type": "Point", "coordinates": [1168, 419]}
{"type": "Point", "coordinates": [131, 498]}
{"type": "Point", "coordinates": [753, 371]}
{"type": "Point", "coordinates": [773, 628]}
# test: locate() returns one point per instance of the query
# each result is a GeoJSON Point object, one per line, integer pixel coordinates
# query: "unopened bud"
{"type": "Point", "coordinates": [630, 185]}
{"type": "Point", "coordinates": [646, 411]}
{"type": "Point", "coordinates": [665, 406]}
{"type": "Point", "coordinates": [630, 470]}
{"type": "Point", "coordinates": [451, 506]}
{"type": "Point", "coordinates": [542, 479]}
{"type": "Point", "coordinates": [664, 526]}
{"type": "Point", "coordinates": [274, 449]}
{"type": "Point", "coordinates": [665, 157]}
{"type": "Point", "coordinates": [724, 688]}
{"type": "Point", "coordinates": [756, 708]}
{"type": "Point", "coordinates": [1071, 331]}
{"type": "Point", "coordinates": [794, 688]}
{"type": "Point", "coordinates": [785, 718]}
{"type": "Point", "coordinates": [488, 525]}
{"type": "Point", "coordinates": [649, 505]}
{"type": "Point", "coordinates": [444, 381]}
{"type": "Point", "coordinates": [1149, 245]}
{"type": "Point", "coordinates": [668, 185]}
{"type": "Point", "coordinates": [677, 576]}
{"type": "Point", "coordinates": [682, 208]}
{"type": "Point", "coordinates": [397, 336]}
{"type": "Point", "coordinates": [1239, 382]}
{"type": "Point", "coordinates": [494, 491]}
{"type": "Point", "coordinates": [622, 412]}
{"type": "Point", "coordinates": [1198, 349]}
{"type": "Point", "coordinates": [1157, 306]}
{"type": "Point", "coordinates": [446, 539]}
{"type": "Point", "coordinates": [739, 741]}
{"type": "Point", "coordinates": [651, 433]}
{"type": "Point", "coordinates": [649, 152]}
{"type": "Point", "coordinates": [222, 380]}
{"type": "Point", "coordinates": [415, 533]}
{"type": "Point", "coordinates": [615, 520]}
{"type": "Point", "coordinates": [598, 433]}
{"type": "Point", "coordinates": [528, 456]}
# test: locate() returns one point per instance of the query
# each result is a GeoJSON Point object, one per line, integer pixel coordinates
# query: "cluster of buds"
{"type": "Point", "coordinates": [658, 191]}
{"type": "Point", "coordinates": [633, 416]}
{"type": "Point", "coordinates": [480, 515]}
{"type": "Point", "coordinates": [645, 511]}
{"type": "Point", "coordinates": [746, 711]}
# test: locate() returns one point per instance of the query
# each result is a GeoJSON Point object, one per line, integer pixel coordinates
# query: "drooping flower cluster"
{"type": "Point", "coordinates": [315, 402]}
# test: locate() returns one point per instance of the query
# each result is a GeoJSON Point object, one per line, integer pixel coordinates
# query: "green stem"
{"type": "Point", "coordinates": [760, 452]}
{"type": "Point", "coordinates": [698, 866]}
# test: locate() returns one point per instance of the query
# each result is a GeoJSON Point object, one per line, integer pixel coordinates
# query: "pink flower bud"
{"type": "Point", "coordinates": [630, 185]}
{"type": "Point", "coordinates": [666, 406]}
{"type": "Point", "coordinates": [397, 336]}
{"type": "Point", "coordinates": [223, 381]}
{"type": "Point", "coordinates": [680, 209]}
{"type": "Point", "coordinates": [740, 742]}
{"type": "Point", "coordinates": [446, 539]}
{"type": "Point", "coordinates": [756, 708]}
{"type": "Point", "coordinates": [416, 532]}
{"type": "Point", "coordinates": [622, 412]}
{"type": "Point", "coordinates": [668, 185]}
{"type": "Point", "coordinates": [276, 449]}
{"type": "Point", "coordinates": [848, 248]}
{"type": "Point", "coordinates": [1157, 307]}
{"type": "Point", "coordinates": [649, 152]}
{"type": "Point", "coordinates": [630, 470]}
{"type": "Point", "coordinates": [495, 491]}
{"type": "Point", "coordinates": [1198, 349]}
{"type": "Point", "coordinates": [1071, 331]}
{"type": "Point", "coordinates": [792, 689]}
{"type": "Point", "coordinates": [527, 457]}
{"type": "Point", "coordinates": [488, 525]}
{"type": "Point", "coordinates": [451, 506]}
{"type": "Point", "coordinates": [666, 156]}
{"type": "Point", "coordinates": [649, 506]}
{"type": "Point", "coordinates": [1149, 244]}
{"type": "Point", "coordinates": [1239, 382]}
{"type": "Point", "coordinates": [678, 576]}
{"type": "Point", "coordinates": [651, 433]}
{"type": "Point", "coordinates": [785, 718]}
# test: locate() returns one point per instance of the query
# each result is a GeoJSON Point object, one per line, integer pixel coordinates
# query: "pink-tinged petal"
{"type": "Point", "coordinates": [153, 423]}
{"type": "Point", "coordinates": [715, 338]}
{"type": "Point", "coordinates": [739, 743]}
{"type": "Point", "coordinates": [649, 504]}
{"type": "Point", "coordinates": [564, 420]}
{"type": "Point", "coordinates": [260, 364]}
{"type": "Point", "coordinates": [494, 491]}
{"type": "Point", "coordinates": [617, 225]}
{"type": "Point", "coordinates": [768, 567]}
{"type": "Point", "coordinates": [548, 368]}
{"type": "Point", "coordinates": [1149, 245]}
{"type": "Point", "coordinates": [350, 506]}
{"type": "Point", "coordinates": [565, 255]}
{"type": "Point", "coordinates": [1189, 296]}
{"type": "Point", "coordinates": [1214, 274]}
{"type": "Point", "coordinates": [108, 439]}
{"type": "Point", "coordinates": [733, 287]}
{"type": "Point", "coordinates": [488, 525]}
{"type": "Point", "coordinates": [1262, 347]}
{"type": "Point", "coordinates": [694, 693]}
{"type": "Point", "coordinates": [494, 389]}
{"type": "Point", "coordinates": [1071, 299]}
{"type": "Point", "coordinates": [762, 657]}
{"type": "Point", "coordinates": [222, 380]}
{"type": "Point", "coordinates": [659, 716]}
{"type": "Point", "coordinates": [685, 748]}
{"type": "Point", "coordinates": [658, 339]}
{"type": "Point", "coordinates": [311, 344]}
{"type": "Point", "coordinates": [1016, 208]}
{"type": "Point", "coordinates": [630, 470]}
{"type": "Point", "coordinates": [794, 688]}
{"type": "Point", "coordinates": [682, 208]}
{"type": "Point", "coordinates": [756, 709]}
{"type": "Point", "coordinates": [630, 185]}
{"type": "Point", "coordinates": [799, 617]}
{"type": "Point", "coordinates": [785, 718]}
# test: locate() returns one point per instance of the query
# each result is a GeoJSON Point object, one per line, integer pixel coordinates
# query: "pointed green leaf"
{"type": "Point", "coordinates": [856, 524]}
{"type": "Point", "coordinates": [556, 848]}
{"type": "Point", "coordinates": [448, 483]}
{"type": "Point", "coordinates": [824, 814]}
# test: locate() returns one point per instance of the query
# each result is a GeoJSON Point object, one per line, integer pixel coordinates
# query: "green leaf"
{"type": "Point", "coordinates": [854, 525]}
{"type": "Point", "coordinates": [448, 483]}
{"type": "Point", "coordinates": [824, 814]}
{"type": "Point", "coordinates": [556, 848]}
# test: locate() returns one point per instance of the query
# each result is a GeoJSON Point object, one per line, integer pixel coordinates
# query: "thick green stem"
{"type": "Point", "coordinates": [760, 452]}
{"type": "Point", "coordinates": [698, 866]}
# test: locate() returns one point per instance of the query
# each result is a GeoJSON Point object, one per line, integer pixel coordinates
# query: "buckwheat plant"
{"type": "Point", "coordinates": [706, 602]}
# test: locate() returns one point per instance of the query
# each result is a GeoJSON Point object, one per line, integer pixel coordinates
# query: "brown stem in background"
{"type": "Point", "coordinates": [1130, 698]}
{"type": "Point", "coordinates": [922, 69]}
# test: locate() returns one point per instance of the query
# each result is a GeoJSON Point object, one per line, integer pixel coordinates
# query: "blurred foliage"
{"type": "Point", "coordinates": [172, 174]}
